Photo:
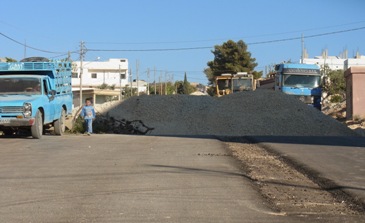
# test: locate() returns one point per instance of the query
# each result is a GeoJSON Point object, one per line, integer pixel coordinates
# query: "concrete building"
{"type": "Point", "coordinates": [113, 73]}
{"type": "Point", "coordinates": [341, 62]}
{"type": "Point", "coordinates": [96, 73]}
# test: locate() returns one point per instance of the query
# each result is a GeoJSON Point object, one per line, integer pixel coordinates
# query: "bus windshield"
{"type": "Point", "coordinates": [301, 81]}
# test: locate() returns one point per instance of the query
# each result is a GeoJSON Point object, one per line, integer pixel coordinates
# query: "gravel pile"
{"type": "Point", "coordinates": [253, 113]}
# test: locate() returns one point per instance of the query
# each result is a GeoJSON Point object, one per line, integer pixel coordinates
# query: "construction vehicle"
{"type": "Point", "coordinates": [302, 81]}
{"type": "Point", "coordinates": [228, 83]}
{"type": "Point", "coordinates": [34, 96]}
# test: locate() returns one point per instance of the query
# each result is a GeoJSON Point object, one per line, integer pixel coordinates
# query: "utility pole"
{"type": "Point", "coordinates": [165, 82]}
{"type": "Point", "coordinates": [120, 84]}
{"type": "Point", "coordinates": [154, 78]}
{"type": "Point", "coordinates": [302, 49]}
{"type": "Point", "coordinates": [148, 81]}
{"type": "Point", "coordinates": [82, 52]}
{"type": "Point", "coordinates": [130, 78]}
{"type": "Point", "coordinates": [137, 76]}
{"type": "Point", "coordinates": [159, 79]}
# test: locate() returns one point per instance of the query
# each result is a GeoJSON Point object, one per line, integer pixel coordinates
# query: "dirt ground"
{"type": "Point", "coordinates": [287, 190]}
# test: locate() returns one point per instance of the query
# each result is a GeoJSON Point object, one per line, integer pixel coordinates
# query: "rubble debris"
{"type": "Point", "coordinates": [107, 124]}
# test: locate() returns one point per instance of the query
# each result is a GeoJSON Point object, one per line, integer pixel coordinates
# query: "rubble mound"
{"type": "Point", "coordinates": [251, 113]}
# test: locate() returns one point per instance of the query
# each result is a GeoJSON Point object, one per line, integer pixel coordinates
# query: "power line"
{"type": "Point", "coordinates": [210, 47]}
{"type": "Point", "coordinates": [152, 50]}
{"type": "Point", "coordinates": [306, 37]}
{"type": "Point", "coordinates": [218, 39]}
{"type": "Point", "coordinates": [184, 48]}
{"type": "Point", "coordinates": [30, 47]}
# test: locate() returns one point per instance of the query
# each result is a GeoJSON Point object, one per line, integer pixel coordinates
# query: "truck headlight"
{"type": "Point", "coordinates": [27, 109]}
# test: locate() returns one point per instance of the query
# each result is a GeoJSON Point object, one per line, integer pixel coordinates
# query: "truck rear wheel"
{"type": "Point", "coordinates": [37, 127]}
{"type": "Point", "coordinates": [59, 124]}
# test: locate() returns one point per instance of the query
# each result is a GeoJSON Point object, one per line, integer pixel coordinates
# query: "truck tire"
{"type": "Point", "coordinates": [59, 124]}
{"type": "Point", "coordinates": [37, 127]}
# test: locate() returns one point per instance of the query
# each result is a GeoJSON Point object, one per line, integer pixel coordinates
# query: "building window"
{"type": "Point", "coordinates": [122, 60]}
{"type": "Point", "coordinates": [75, 75]}
{"type": "Point", "coordinates": [122, 75]}
{"type": "Point", "coordinates": [94, 75]}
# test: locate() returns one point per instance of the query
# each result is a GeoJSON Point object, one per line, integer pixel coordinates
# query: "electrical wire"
{"type": "Point", "coordinates": [210, 47]}
{"type": "Point", "coordinates": [152, 50]}
{"type": "Point", "coordinates": [306, 37]}
{"type": "Point", "coordinates": [186, 48]}
{"type": "Point", "coordinates": [30, 47]}
{"type": "Point", "coordinates": [210, 40]}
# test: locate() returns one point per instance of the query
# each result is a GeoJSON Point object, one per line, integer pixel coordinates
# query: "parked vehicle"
{"type": "Point", "coordinates": [300, 80]}
{"type": "Point", "coordinates": [228, 83]}
{"type": "Point", "coordinates": [34, 96]}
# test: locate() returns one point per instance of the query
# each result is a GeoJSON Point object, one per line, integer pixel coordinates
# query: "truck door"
{"type": "Point", "coordinates": [49, 105]}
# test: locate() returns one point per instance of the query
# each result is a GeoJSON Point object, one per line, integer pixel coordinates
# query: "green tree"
{"type": "Point", "coordinates": [184, 87]}
{"type": "Point", "coordinates": [231, 57]}
{"type": "Point", "coordinates": [334, 84]}
{"type": "Point", "coordinates": [179, 87]}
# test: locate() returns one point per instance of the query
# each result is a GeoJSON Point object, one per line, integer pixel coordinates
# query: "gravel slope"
{"type": "Point", "coordinates": [253, 113]}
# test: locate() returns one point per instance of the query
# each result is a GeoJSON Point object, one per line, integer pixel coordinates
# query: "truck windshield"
{"type": "Point", "coordinates": [301, 81]}
{"type": "Point", "coordinates": [224, 84]}
{"type": "Point", "coordinates": [20, 85]}
{"type": "Point", "coordinates": [242, 84]}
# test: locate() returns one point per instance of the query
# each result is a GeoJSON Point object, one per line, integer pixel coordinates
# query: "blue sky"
{"type": "Point", "coordinates": [59, 26]}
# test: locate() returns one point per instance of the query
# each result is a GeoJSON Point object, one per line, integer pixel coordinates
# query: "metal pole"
{"type": "Point", "coordinates": [130, 77]}
{"type": "Point", "coordinates": [137, 76]}
{"type": "Point", "coordinates": [154, 78]}
{"type": "Point", "coordinates": [120, 84]}
{"type": "Point", "coordinates": [81, 68]}
{"type": "Point", "coordinates": [148, 80]}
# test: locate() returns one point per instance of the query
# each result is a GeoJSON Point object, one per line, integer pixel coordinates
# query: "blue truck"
{"type": "Point", "coordinates": [34, 96]}
{"type": "Point", "coordinates": [300, 80]}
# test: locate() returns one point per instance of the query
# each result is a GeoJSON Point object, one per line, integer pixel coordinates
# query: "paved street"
{"type": "Point", "coordinates": [119, 178]}
{"type": "Point", "coordinates": [337, 162]}
{"type": "Point", "coordinates": [122, 178]}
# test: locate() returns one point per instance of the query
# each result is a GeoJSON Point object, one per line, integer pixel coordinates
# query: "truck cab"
{"type": "Point", "coordinates": [228, 83]}
{"type": "Point", "coordinates": [34, 96]}
{"type": "Point", "coordinates": [300, 80]}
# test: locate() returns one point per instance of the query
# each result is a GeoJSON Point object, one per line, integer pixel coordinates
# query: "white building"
{"type": "Point", "coordinates": [353, 62]}
{"type": "Point", "coordinates": [95, 73]}
{"type": "Point", "coordinates": [336, 62]}
{"type": "Point", "coordinates": [113, 73]}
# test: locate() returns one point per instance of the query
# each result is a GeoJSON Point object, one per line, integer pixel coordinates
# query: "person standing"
{"type": "Point", "coordinates": [88, 114]}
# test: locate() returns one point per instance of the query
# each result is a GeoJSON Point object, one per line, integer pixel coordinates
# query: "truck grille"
{"type": "Point", "coordinates": [12, 109]}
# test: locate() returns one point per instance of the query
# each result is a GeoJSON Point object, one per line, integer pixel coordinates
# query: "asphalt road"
{"type": "Point", "coordinates": [118, 178]}
{"type": "Point", "coordinates": [121, 178]}
{"type": "Point", "coordinates": [336, 163]}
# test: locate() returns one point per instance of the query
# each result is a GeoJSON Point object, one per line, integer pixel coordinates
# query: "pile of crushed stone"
{"type": "Point", "coordinates": [251, 113]}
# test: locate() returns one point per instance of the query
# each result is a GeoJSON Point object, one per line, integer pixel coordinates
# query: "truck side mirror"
{"type": "Point", "coordinates": [52, 93]}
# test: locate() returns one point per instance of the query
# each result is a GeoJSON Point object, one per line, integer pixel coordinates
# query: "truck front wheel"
{"type": "Point", "coordinates": [59, 124]}
{"type": "Point", "coordinates": [37, 127]}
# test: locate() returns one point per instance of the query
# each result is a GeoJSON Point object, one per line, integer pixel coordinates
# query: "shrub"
{"type": "Point", "coordinates": [336, 99]}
